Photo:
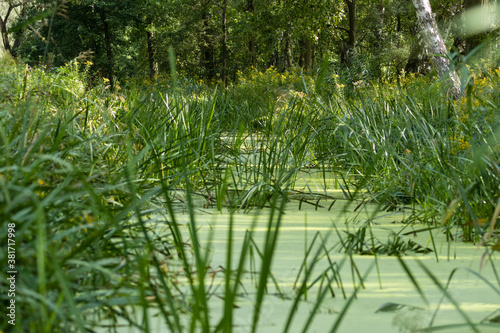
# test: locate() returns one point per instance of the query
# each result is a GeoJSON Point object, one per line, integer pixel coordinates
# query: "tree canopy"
{"type": "Point", "coordinates": [215, 39]}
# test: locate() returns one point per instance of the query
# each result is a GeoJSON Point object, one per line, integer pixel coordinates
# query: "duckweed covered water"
{"type": "Point", "coordinates": [387, 282]}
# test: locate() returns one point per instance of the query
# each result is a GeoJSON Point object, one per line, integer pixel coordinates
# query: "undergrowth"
{"type": "Point", "coordinates": [88, 175]}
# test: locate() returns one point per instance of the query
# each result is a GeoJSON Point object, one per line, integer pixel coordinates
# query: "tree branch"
{"type": "Point", "coordinates": [215, 3]}
{"type": "Point", "coordinates": [11, 7]}
{"type": "Point", "coordinates": [340, 28]}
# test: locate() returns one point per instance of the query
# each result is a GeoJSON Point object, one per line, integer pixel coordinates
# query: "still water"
{"type": "Point", "coordinates": [307, 215]}
{"type": "Point", "coordinates": [387, 282]}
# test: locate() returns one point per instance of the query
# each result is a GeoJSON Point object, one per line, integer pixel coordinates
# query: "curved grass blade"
{"type": "Point", "coordinates": [342, 313]}
{"type": "Point", "coordinates": [449, 297]}
{"type": "Point", "coordinates": [488, 283]}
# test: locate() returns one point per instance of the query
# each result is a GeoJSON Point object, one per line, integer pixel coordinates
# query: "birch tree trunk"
{"type": "Point", "coordinates": [435, 44]}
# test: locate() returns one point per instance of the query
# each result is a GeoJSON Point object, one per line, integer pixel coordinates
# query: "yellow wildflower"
{"type": "Point", "coordinates": [89, 219]}
{"type": "Point", "coordinates": [40, 193]}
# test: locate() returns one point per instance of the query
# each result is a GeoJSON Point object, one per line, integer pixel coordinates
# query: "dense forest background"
{"type": "Point", "coordinates": [214, 40]}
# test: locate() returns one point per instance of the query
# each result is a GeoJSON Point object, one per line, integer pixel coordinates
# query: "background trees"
{"type": "Point", "coordinates": [214, 39]}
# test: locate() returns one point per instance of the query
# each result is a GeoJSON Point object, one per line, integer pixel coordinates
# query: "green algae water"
{"type": "Point", "coordinates": [343, 246]}
{"type": "Point", "coordinates": [387, 282]}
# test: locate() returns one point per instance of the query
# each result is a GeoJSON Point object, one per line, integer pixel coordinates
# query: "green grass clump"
{"type": "Point", "coordinates": [411, 146]}
{"type": "Point", "coordinates": [64, 192]}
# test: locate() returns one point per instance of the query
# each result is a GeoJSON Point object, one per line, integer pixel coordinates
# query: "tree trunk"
{"type": "Point", "coordinates": [224, 42]}
{"type": "Point", "coordinates": [418, 60]}
{"type": "Point", "coordinates": [435, 44]}
{"type": "Point", "coordinates": [252, 51]}
{"type": "Point", "coordinates": [18, 35]}
{"type": "Point", "coordinates": [308, 54]}
{"type": "Point", "coordinates": [301, 52]}
{"type": "Point", "coordinates": [3, 29]}
{"type": "Point", "coordinates": [287, 51]}
{"type": "Point", "coordinates": [252, 41]}
{"type": "Point", "coordinates": [206, 47]}
{"type": "Point", "coordinates": [347, 48]}
{"type": "Point", "coordinates": [380, 24]}
{"type": "Point", "coordinates": [351, 6]}
{"type": "Point", "coordinates": [109, 49]}
{"type": "Point", "coordinates": [151, 54]}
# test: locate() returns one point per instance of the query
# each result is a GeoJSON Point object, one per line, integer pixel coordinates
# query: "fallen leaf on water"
{"type": "Point", "coordinates": [391, 307]}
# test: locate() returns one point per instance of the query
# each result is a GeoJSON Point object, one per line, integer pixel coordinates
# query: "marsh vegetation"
{"type": "Point", "coordinates": [107, 190]}
{"type": "Point", "coordinates": [282, 179]}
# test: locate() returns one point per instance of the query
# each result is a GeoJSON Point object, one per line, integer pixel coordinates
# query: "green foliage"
{"type": "Point", "coordinates": [362, 241]}
{"type": "Point", "coordinates": [268, 90]}
{"type": "Point", "coordinates": [130, 38]}
{"type": "Point", "coordinates": [404, 142]}
{"type": "Point", "coordinates": [87, 173]}
{"type": "Point", "coordinates": [68, 211]}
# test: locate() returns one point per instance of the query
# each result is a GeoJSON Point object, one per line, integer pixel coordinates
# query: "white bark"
{"type": "Point", "coordinates": [435, 44]}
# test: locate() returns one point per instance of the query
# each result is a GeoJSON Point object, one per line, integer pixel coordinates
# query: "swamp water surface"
{"type": "Point", "coordinates": [386, 282]}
